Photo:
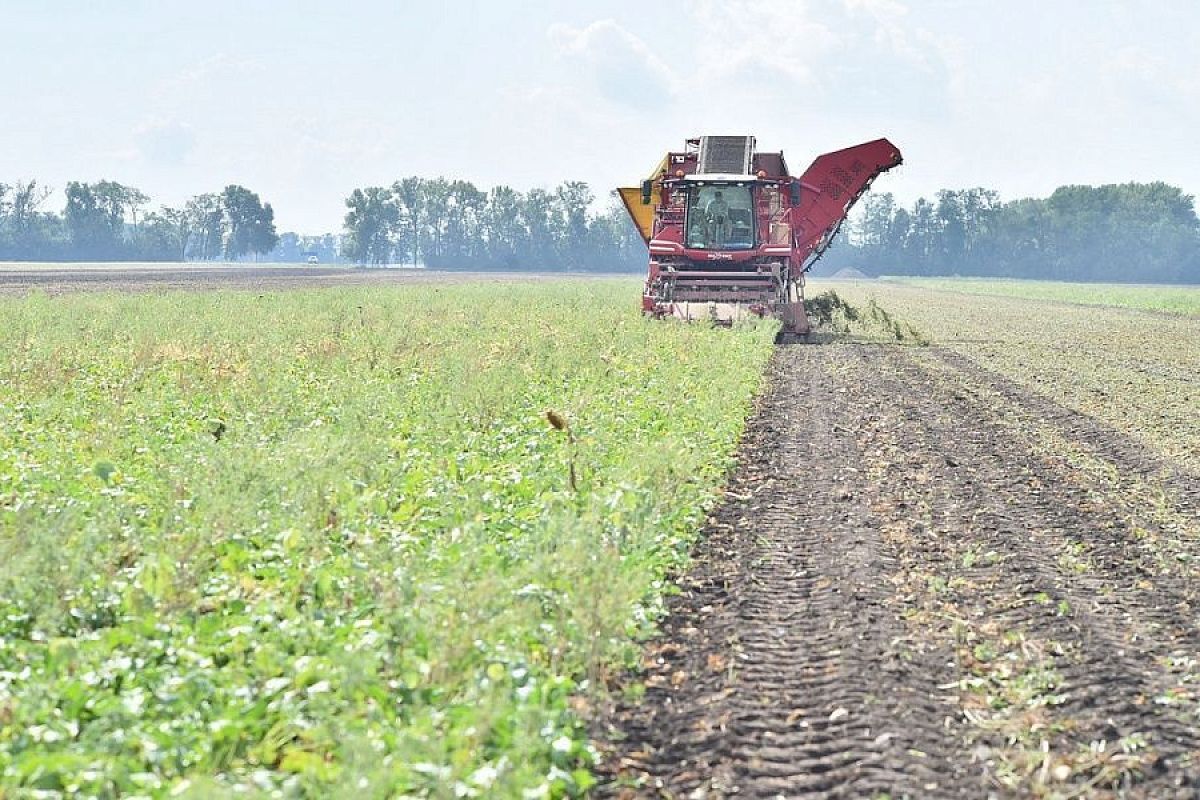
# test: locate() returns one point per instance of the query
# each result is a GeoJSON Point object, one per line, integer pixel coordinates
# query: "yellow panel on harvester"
{"type": "Point", "coordinates": [642, 214]}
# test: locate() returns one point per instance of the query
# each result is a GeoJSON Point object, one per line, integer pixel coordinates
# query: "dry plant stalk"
{"type": "Point", "coordinates": [559, 423]}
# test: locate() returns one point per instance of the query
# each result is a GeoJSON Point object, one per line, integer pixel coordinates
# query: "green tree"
{"type": "Point", "coordinates": [545, 227]}
{"type": "Point", "coordinates": [205, 221]}
{"type": "Point", "coordinates": [922, 239]}
{"type": "Point", "coordinates": [951, 232]}
{"type": "Point", "coordinates": [176, 227]}
{"type": "Point", "coordinates": [101, 219]}
{"type": "Point", "coordinates": [158, 238]}
{"type": "Point", "coordinates": [507, 237]}
{"type": "Point", "coordinates": [613, 243]}
{"type": "Point", "coordinates": [25, 231]}
{"type": "Point", "coordinates": [370, 225]}
{"type": "Point", "coordinates": [93, 233]}
{"type": "Point", "coordinates": [570, 207]}
{"type": "Point", "coordinates": [248, 224]}
{"type": "Point", "coordinates": [410, 201]}
{"type": "Point", "coordinates": [462, 223]}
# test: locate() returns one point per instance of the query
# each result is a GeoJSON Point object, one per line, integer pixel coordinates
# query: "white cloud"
{"type": "Point", "coordinates": [897, 33]}
{"type": "Point", "coordinates": [213, 69]}
{"type": "Point", "coordinates": [624, 68]}
{"type": "Point", "coordinates": [861, 55]}
{"type": "Point", "coordinates": [750, 38]}
{"type": "Point", "coordinates": [165, 142]}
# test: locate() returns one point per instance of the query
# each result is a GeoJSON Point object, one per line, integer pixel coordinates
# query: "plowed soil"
{"type": "Point", "coordinates": [924, 581]}
{"type": "Point", "coordinates": [55, 279]}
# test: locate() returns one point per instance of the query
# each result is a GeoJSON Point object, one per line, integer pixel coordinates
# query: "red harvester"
{"type": "Point", "coordinates": [730, 230]}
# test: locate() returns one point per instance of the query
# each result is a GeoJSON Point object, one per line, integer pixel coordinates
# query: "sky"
{"type": "Point", "coordinates": [303, 101]}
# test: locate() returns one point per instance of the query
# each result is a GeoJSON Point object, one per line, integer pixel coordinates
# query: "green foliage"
{"type": "Point", "coordinates": [1144, 232]}
{"type": "Point", "coordinates": [371, 221]}
{"type": "Point", "coordinates": [103, 221]}
{"type": "Point", "coordinates": [95, 217]}
{"type": "Point", "coordinates": [325, 542]}
{"type": "Point", "coordinates": [829, 310]}
{"type": "Point", "coordinates": [449, 224]}
{"type": "Point", "coordinates": [248, 224]}
{"type": "Point", "coordinates": [27, 232]}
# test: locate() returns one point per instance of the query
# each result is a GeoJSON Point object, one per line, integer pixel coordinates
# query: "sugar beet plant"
{"type": "Point", "coordinates": [320, 543]}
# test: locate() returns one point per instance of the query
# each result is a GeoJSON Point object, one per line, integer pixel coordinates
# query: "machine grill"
{"type": "Point", "coordinates": [726, 154]}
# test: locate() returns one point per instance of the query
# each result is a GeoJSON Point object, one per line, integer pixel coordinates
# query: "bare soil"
{"type": "Point", "coordinates": [18, 279]}
{"type": "Point", "coordinates": [908, 593]}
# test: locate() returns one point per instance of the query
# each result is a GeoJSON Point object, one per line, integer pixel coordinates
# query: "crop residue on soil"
{"type": "Point", "coordinates": [830, 312]}
{"type": "Point", "coordinates": [907, 594]}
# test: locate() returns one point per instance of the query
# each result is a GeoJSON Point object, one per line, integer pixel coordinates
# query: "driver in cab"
{"type": "Point", "coordinates": [718, 216]}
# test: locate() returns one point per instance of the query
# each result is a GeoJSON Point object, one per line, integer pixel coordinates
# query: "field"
{"type": "Point", "coordinates": [419, 541]}
{"type": "Point", "coordinates": [962, 564]}
{"type": "Point", "coordinates": [1137, 372]}
{"type": "Point", "coordinates": [327, 542]}
{"type": "Point", "coordinates": [1168, 299]}
{"type": "Point", "coordinates": [19, 279]}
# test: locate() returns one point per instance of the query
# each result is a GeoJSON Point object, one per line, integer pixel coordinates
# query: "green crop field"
{"type": "Point", "coordinates": [327, 542]}
{"type": "Point", "coordinates": [404, 541]}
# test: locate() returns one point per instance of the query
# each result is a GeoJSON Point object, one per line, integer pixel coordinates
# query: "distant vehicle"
{"type": "Point", "coordinates": [314, 260]}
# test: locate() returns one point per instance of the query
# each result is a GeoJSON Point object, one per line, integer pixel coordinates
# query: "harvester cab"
{"type": "Point", "coordinates": [731, 232]}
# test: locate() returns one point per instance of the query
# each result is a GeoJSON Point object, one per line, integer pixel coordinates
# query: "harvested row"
{"type": "Point", "coordinates": [1047, 587]}
{"type": "Point", "coordinates": [770, 677]}
{"type": "Point", "coordinates": [1132, 457]}
{"type": "Point", "coordinates": [913, 599]}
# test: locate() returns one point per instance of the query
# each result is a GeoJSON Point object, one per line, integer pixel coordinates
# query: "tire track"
{"type": "Point", "coordinates": [1109, 628]}
{"type": "Point", "coordinates": [901, 596]}
{"type": "Point", "coordinates": [790, 674]}
{"type": "Point", "coordinates": [1132, 456]}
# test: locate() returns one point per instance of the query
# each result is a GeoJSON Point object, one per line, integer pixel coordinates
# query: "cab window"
{"type": "Point", "coordinates": [720, 217]}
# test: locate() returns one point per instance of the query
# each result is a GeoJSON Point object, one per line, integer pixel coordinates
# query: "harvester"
{"type": "Point", "coordinates": [732, 232]}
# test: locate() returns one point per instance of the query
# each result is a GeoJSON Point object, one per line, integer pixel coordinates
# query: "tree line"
{"type": "Point", "coordinates": [108, 221]}
{"type": "Point", "coordinates": [453, 224]}
{"type": "Point", "coordinates": [1131, 232]}
{"type": "Point", "coordinates": [1144, 232]}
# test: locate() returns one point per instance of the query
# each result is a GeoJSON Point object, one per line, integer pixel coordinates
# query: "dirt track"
{"type": "Point", "coordinates": [15, 279]}
{"type": "Point", "coordinates": [909, 592]}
